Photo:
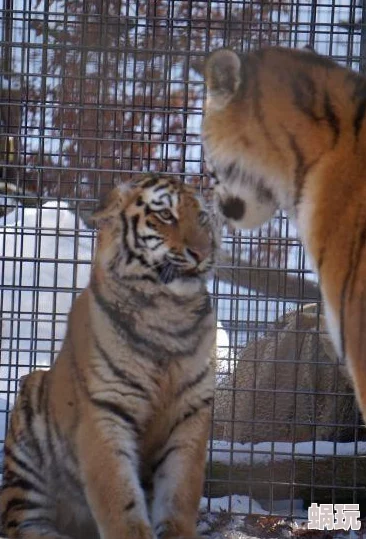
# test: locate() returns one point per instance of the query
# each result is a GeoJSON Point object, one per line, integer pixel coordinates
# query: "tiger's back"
{"type": "Point", "coordinates": [121, 420]}
{"type": "Point", "coordinates": [285, 129]}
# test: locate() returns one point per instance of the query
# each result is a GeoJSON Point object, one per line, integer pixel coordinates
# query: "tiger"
{"type": "Point", "coordinates": [111, 441]}
{"type": "Point", "coordinates": [284, 129]}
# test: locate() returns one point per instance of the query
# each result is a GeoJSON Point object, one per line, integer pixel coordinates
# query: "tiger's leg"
{"type": "Point", "coordinates": [43, 532]}
{"type": "Point", "coordinates": [109, 471]}
{"type": "Point", "coordinates": [178, 478]}
{"type": "Point", "coordinates": [27, 509]}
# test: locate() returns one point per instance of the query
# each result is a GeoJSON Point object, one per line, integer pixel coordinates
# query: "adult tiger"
{"type": "Point", "coordinates": [122, 417]}
{"type": "Point", "coordinates": [286, 129]}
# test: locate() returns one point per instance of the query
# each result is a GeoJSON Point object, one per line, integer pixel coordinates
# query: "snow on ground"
{"type": "Point", "coordinates": [235, 504]}
{"type": "Point", "coordinates": [228, 517]}
{"type": "Point", "coordinates": [265, 452]}
{"type": "Point", "coordinates": [46, 255]}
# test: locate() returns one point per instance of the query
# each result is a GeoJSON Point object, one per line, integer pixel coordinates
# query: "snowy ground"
{"type": "Point", "coordinates": [264, 452]}
{"type": "Point", "coordinates": [264, 526]}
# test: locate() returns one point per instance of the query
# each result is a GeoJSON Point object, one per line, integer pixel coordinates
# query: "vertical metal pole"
{"type": "Point", "coordinates": [363, 39]}
{"type": "Point", "coordinates": [312, 24]}
{"type": "Point", "coordinates": [7, 35]}
{"type": "Point", "coordinates": [7, 114]}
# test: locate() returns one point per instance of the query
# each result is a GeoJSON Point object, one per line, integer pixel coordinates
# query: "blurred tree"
{"type": "Point", "coordinates": [117, 87]}
{"type": "Point", "coordinates": [124, 88]}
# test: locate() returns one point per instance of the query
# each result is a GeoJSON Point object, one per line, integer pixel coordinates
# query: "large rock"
{"type": "Point", "coordinates": [287, 386]}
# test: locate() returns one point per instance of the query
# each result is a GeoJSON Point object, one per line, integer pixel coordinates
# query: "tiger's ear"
{"type": "Point", "coordinates": [222, 75]}
{"type": "Point", "coordinates": [112, 204]}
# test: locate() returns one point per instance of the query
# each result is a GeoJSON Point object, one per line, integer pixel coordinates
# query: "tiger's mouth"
{"type": "Point", "coordinates": [168, 271]}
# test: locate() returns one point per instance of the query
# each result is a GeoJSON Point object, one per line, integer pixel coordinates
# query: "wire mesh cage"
{"type": "Point", "coordinates": [94, 91]}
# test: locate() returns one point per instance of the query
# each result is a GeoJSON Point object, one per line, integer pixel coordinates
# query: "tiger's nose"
{"type": "Point", "coordinates": [197, 255]}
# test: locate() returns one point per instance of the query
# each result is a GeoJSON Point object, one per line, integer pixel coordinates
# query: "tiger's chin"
{"type": "Point", "coordinates": [183, 286]}
{"type": "Point", "coordinates": [176, 276]}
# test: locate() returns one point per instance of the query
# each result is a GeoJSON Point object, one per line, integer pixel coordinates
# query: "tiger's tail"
{"type": "Point", "coordinates": [355, 344]}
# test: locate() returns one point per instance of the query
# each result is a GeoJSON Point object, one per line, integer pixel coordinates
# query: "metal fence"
{"type": "Point", "coordinates": [94, 90]}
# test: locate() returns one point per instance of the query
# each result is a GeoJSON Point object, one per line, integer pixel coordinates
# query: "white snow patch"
{"type": "Point", "coordinates": [264, 452]}
{"type": "Point", "coordinates": [46, 255]}
{"type": "Point", "coordinates": [233, 504]}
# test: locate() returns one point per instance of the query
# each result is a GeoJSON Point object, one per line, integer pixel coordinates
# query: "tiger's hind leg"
{"type": "Point", "coordinates": [27, 508]}
{"type": "Point", "coordinates": [45, 531]}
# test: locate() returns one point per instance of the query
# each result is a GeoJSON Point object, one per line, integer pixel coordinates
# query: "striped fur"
{"type": "Point", "coordinates": [286, 129]}
{"type": "Point", "coordinates": [110, 443]}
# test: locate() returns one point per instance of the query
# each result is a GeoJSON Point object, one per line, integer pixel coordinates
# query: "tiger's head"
{"type": "Point", "coordinates": [154, 227]}
{"type": "Point", "coordinates": [272, 117]}
{"type": "Point", "coordinates": [242, 196]}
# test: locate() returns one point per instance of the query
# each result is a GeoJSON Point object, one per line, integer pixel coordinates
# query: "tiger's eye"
{"type": "Point", "coordinates": [166, 215]}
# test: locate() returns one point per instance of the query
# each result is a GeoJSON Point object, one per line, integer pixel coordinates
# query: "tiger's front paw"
{"type": "Point", "coordinates": [169, 531]}
{"type": "Point", "coordinates": [130, 529]}
{"type": "Point", "coordinates": [139, 530]}
{"type": "Point", "coordinates": [169, 536]}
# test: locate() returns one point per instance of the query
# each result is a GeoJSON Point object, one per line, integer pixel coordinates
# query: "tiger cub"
{"type": "Point", "coordinates": [286, 129]}
{"type": "Point", "coordinates": [111, 442]}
